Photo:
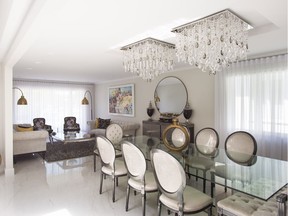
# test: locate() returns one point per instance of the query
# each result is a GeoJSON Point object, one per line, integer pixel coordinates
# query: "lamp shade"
{"type": "Point", "coordinates": [22, 101]}
{"type": "Point", "coordinates": [85, 101]}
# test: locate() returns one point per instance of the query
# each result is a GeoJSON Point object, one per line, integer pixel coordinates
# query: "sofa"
{"type": "Point", "coordinates": [29, 141]}
{"type": "Point", "coordinates": [129, 128]}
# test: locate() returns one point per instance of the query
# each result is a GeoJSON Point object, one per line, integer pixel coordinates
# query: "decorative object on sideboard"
{"type": "Point", "coordinates": [148, 58]}
{"type": "Point", "coordinates": [175, 136]}
{"type": "Point", "coordinates": [213, 42]}
{"type": "Point", "coordinates": [22, 100]}
{"type": "Point", "coordinates": [150, 111]}
{"type": "Point", "coordinates": [187, 112]}
{"type": "Point", "coordinates": [86, 102]}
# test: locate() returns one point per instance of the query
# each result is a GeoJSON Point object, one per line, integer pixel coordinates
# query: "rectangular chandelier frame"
{"type": "Point", "coordinates": [129, 46]}
{"type": "Point", "coordinates": [179, 28]}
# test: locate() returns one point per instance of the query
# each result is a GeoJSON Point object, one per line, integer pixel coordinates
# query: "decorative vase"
{"type": "Point", "coordinates": [187, 112]}
{"type": "Point", "coordinates": [150, 111]}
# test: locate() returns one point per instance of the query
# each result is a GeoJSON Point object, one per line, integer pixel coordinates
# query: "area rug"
{"type": "Point", "coordinates": [58, 151]}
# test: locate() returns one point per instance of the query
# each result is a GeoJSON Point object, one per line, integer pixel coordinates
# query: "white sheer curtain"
{"type": "Point", "coordinates": [252, 96]}
{"type": "Point", "coordinates": [52, 101]}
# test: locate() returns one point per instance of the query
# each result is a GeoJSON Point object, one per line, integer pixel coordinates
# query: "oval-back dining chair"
{"type": "Point", "coordinates": [114, 133]}
{"type": "Point", "coordinates": [175, 194]}
{"type": "Point", "coordinates": [110, 165]}
{"type": "Point", "coordinates": [139, 178]}
{"type": "Point", "coordinates": [240, 148]}
{"type": "Point", "coordinates": [206, 143]}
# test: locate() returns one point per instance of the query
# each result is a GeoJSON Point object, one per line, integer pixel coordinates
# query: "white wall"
{"type": "Point", "coordinates": [200, 87]}
{"type": "Point", "coordinates": [2, 143]}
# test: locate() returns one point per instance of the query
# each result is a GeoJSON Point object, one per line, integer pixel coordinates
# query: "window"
{"type": "Point", "coordinates": [52, 101]}
{"type": "Point", "coordinates": [253, 96]}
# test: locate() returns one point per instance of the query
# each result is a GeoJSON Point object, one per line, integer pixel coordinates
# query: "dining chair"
{"type": "Point", "coordinates": [139, 179]}
{"type": "Point", "coordinates": [110, 165]}
{"type": "Point", "coordinates": [114, 133]}
{"type": "Point", "coordinates": [206, 143]}
{"type": "Point", "coordinates": [240, 148]}
{"type": "Point", "coordinates": [174, 193]}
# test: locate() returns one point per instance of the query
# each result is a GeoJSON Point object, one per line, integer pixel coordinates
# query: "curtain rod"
{"type": "Point", "coordinates": [266, 56]}
{"type": "Point", "coordinates": [52, 81]}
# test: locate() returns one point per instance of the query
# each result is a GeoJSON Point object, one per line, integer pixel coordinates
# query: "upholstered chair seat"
{"type": "Point", "coordinates": [120, 169]}
{"type": "Point", "coordinates": [150, 185]}
{"type": "Point", "coordinates": [200, 200]}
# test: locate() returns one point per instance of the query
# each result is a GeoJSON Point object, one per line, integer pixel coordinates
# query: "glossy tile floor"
{"type": "Point", "coordinates": [66, 188]}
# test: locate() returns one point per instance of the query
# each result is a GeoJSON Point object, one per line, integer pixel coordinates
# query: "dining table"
{"type": "Point", "coordinates": [262, 177]}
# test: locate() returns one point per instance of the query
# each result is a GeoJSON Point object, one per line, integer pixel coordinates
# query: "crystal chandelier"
{"type": "Point", "coordinates": [148, 58]}
{"type": "Point", "coordinates": [213, 42]}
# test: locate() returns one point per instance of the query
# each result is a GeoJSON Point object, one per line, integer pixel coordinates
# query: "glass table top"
{"type": "Point", "coordinates": [72, 137]}
{"type": "Point", "coordinates": [258, 176]}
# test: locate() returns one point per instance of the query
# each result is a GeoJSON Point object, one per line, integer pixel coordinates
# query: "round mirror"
{"type": "Point", "coordinates": [170, 97]}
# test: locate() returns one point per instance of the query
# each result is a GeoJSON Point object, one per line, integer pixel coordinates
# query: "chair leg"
{"type": "Point", "coordinates": [114, 181]}
{"type": "Point", "coordinates": [212, 189]}
{"type": "Point", "coordinates": [117, 182]}
{"type": "Point", "coordinates": [94, 162]}
{"type": "Point", "coordinates": [127, 197]}
{"type": "Point", "coordinates": [143, 203]}
{"type": "Point", "coordinates": [187, 171]}
{"type": "Point", "coordinates": [204, 182]}
{"type": "Point", "coordinates": [210, 211]}
{"type": "Point", "coordinates": [101, 183]}
{"type": "Point", "coordinates": [159, 208]}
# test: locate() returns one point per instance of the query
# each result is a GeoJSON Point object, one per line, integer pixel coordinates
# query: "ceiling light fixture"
{"type": "Point", "coordinates": [213, 42]}
{"type": "Point", "coordinates": [148, 58]}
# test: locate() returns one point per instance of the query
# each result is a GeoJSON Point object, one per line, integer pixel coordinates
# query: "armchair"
{"type": "Point", "coordinates": [71, 125]}
{"type": "Point", "coordinates": [39, 124]}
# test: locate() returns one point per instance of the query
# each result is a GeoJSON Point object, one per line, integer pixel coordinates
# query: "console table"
{"type": "Point", "coordinates": [154, 128]}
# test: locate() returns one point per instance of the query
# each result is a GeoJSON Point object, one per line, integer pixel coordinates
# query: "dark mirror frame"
{"type": "Point", "coordinates": [175, 114]}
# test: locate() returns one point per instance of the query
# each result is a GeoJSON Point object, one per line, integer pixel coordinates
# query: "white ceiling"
{"type": "Point", "coordinates": [79, 40]}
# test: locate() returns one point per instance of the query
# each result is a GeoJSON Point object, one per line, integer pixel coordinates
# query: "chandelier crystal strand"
{"type": "Point", "coordinates": [148, 58]}
{"type": "Point", "coordinates": [213, 42]}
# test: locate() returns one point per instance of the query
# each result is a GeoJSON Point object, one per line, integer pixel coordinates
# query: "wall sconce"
{"type": "Point", "coordinates": [86, 102]}
{"type": "Point", "coordinates": [22, 100]}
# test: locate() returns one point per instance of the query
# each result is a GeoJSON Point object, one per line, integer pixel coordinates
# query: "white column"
{"type": "Point", "coordinates": [2, 143]}
{"type": "Point", "coordinates": [8, 110]}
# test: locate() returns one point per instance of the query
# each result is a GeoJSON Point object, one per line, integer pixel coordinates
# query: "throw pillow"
{"type": "Point", "coordinates": [97, 123]}
{"type": "Point", "coordinates": [103, 123]}
{"type": "Point", "coordinates": [22, 129]}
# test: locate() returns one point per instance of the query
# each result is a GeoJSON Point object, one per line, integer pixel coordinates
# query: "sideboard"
{"type": "Point", "coordinates": [155, 128]}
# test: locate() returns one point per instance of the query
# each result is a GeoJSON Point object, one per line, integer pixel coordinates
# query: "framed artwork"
{"type": "Point", "coordinates": [121, 100]}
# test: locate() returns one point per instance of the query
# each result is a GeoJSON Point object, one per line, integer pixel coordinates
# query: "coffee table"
{"type": "Point", "coordinates": [69, 145]}
{"type": "Point", "coordinates": [72, 137]}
